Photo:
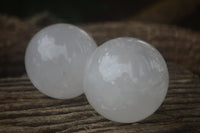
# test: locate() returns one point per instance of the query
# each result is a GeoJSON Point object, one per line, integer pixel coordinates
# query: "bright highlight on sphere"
{"type": "Point", "coordinates": [55, 60]}
{"type": "Point", "coordinates": [126, 80]}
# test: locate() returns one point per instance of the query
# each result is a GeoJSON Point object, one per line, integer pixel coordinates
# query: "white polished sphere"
{"type": "Point", "coordinates": [55, 60]}
{"type": "Point", "coordinates": [126, 80]}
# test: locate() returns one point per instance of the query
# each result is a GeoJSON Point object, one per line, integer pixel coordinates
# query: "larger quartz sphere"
{"type": "Point", "coordinates": [55, 60]}
{"type": "Point", "coordinates": [126, 80]}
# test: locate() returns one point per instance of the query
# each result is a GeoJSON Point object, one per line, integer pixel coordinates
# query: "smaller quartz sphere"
{"type": "Point", "coordinates": [126, 80]}
{"type": "Point", "coordinates": [55, 60]}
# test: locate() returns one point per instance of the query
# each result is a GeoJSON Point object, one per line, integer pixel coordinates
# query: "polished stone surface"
{"type": "Point", "coordinates": [126, 80]}
{"type": "Point", "coordinates": [55, 60]}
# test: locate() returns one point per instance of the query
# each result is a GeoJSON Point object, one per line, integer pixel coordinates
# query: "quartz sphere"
{"type": "Point", "coordinates": [55, 60]}
{"type": "Point", "coordinates": [126, 80]}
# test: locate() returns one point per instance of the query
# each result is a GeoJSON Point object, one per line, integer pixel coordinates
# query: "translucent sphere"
{"type": "Point", "coordinates": [55, 60]}
{"type": "Point", "coordinates": [126, 80]}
